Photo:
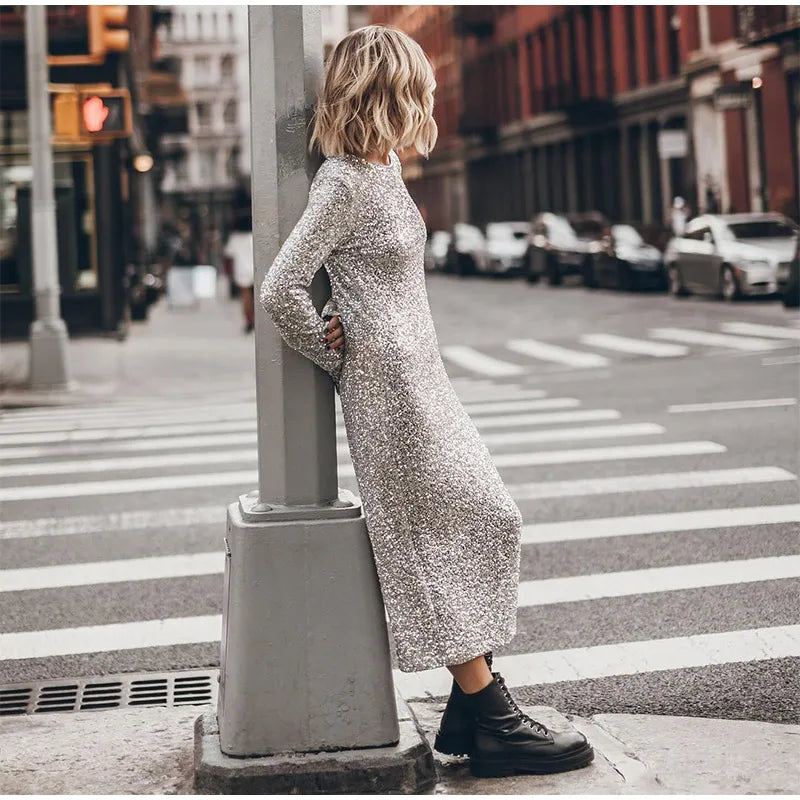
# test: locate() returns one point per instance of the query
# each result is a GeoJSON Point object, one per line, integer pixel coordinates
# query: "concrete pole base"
{"type": "Point", "coordinates": [407, 767]}
{"type": "Point", "coordinates": [49, 357]}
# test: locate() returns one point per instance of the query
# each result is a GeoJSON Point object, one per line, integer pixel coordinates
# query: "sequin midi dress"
{"type": "Point", "coordinates": [445, 532]}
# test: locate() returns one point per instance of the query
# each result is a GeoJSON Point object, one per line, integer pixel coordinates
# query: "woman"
{"type": "Point", "coordinates": [444, 531]}
{"type": "Point", "coordinates": [240, 250]}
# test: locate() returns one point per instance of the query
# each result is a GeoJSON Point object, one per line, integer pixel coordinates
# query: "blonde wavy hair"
{"type": "Point", "coordinates": [377, 95]}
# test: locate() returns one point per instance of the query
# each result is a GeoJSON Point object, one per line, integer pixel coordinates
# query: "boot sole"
{"type": "Point", "coordinates": [504, 767]}
{"type": "Point", "coordinates": [453, 745]}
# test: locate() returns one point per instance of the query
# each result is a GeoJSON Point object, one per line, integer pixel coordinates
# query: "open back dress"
{"type": "Point", "coordinates": [444, 530]}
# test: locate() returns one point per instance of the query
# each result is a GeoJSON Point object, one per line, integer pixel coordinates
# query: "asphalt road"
{"type": "Point", "coordinates": [662, 530]}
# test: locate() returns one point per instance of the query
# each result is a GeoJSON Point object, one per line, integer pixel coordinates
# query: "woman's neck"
{"type": "Point", "coordinates": [377, 158]}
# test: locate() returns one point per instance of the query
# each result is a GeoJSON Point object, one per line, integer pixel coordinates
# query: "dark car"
{"type": "Point", "coordinates": [788, 278]}
{"type": "Point", "coordinates": [622, 259]}
{"type": "Point", "coordinates": [555, 249]}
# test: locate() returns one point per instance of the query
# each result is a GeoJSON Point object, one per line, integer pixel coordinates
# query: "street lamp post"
{"type": "Point", "coordinates": [306, 687]}
{"type": "Point", "coordinates": [49, 340]}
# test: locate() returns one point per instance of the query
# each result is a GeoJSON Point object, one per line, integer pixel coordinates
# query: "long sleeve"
{"type": "Point", "coordinates": [285, 294]}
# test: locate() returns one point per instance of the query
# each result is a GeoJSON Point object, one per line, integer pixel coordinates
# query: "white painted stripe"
{"type": "Point", "coordinates": [732, 405]}
{"type": "Point", "coordinates": [560, 355]}
{"type": "Point", "coordinates": [592, 454]}
{"type": "Point", "coordinates": [104, 638]}
{"type": "Point", "coordinates": [247, 478]}
{"type": "Point", "coordinates": [673, 522]}
{"type": "Point", "coordinates": [624, 658]}
{"type": "Point", "coordinates": [116, 522]}
{"type": "Point", "coordinates": [496, 393]}
{"type": "Point", "coordinates": [555, 418]}
{"type": "Point", "coordinates": [779, 361]}
{"type": "Point", "coordinates": [120, 571]}
{"type": "Point", "coordinates": [469, 358]}
{"type": "Point", "coordinates": [688, 336]}
{"type": "Point", "coordinates": [637, 346]}
{"type": "Point", "coordinates": [579, 588]}
{"type": "Point", "coordinates": [573, 434]}
{"type": "Point", "coordinates": [753, 329]}
{"type": "Point", "coordinates": [506, 407]}
{"type": "Point", "coordinates": [624, 484]}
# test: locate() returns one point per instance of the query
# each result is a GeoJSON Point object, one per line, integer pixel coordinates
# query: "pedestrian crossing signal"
{"type": "Point", "coordinates": [92, 113]}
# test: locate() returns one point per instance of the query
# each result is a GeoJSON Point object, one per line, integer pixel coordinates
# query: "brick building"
{"type": "Point", "coordinates": [573, 108]}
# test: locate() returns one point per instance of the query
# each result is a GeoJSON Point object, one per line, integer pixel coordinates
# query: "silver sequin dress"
{"type": "Point", "coordinates": [444, 530]}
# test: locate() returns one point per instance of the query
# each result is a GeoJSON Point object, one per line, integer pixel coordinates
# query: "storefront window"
{"type": "Point", "coordinates": [75, 214]}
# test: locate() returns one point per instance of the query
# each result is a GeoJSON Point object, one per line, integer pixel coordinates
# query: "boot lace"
{"type": "Point", "coordinates": [517, 710]}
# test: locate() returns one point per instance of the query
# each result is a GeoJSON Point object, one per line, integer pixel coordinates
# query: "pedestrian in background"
{"type": "Point", "coordinates": [678, 216]}
{"type": "Point", "coordinates": [444, 530]}
{"type": "Point", "coordinates": [239, 248]}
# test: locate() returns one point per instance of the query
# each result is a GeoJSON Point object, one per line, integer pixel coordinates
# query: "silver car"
{"type": "Point", "coordinates": [730, 255]}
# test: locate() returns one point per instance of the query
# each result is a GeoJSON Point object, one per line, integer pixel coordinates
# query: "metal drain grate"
{"type": "Point", "coordinates": [166, 689]}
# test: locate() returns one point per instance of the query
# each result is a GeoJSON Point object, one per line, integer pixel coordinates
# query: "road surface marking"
{"type": "Point", "coordinates": [688, 336]}
{"type": "Point", "coordinates": [469, 358]}
{"type": "Point", "coordinates": [558, 417]}
{"type": "Point", "coordinates": [637, 346]}
{"type": "Point", "coordinates": [573, 434]}
{"type": "Point", "coordinates": [623, 484]}
{"type": "Point", "coordinates": [115, 522]}
{"type": "Point", "coordinates": [780, 360]}
{"type": "Point", "coordinates": [580, 588]}
{"type": "Point", "coordinates": [505, 407]}
{"type": "Point", "coordinates": [754, 329]}
{"type": "Point", "coordinates": [119, 571]}
{"type": "Point", "coordinates": [559, 355]}
{"type": "Point", "coordinates": [732, 405]}
{"type": "Point", "coordinates": [671, 522]}
{"type": "Point", "coordinates": [624, 658]}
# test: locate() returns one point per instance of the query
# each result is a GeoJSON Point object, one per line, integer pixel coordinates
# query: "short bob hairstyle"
{"type": "Point", "coordinates": [377, 95]}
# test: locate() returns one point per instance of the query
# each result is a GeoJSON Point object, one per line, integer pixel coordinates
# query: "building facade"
{"type": "Point", "coordinates": [578, 108]}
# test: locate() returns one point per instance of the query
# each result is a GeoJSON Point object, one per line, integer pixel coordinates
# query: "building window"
{"type": "Point", "coordinates": [605, 22]}
{"type": "Point", "coordinates": [199, 26]}
{"type": "Point", "coordinates": [202, 70]}
{"type": "Point", "coordinates": [650, 29]}
{"type": "Point", "coordinates": [226, 68]}
{"type": "Point", "coordinates": [214, 29]}
{"type": "Point", "coordinates": [181, 167]}
{"type": "Point", "coordinates": [674, 25]}
{"type": "Point", "coordinates": [231, 28]}
{"type": "Point", "coordinates": [203, 115]}
{"type": "Point", "coordinates": [207, 160]}
{"type": "Point", "coordinates": [232, 164]}
{"type": "Point", "coordinates": [231, 112]}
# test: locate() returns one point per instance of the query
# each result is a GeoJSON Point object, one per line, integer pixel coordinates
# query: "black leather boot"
{"type": "Point", "coordinates": [507, 741]}
{"type": "Point", "coordinates": [457, 726]}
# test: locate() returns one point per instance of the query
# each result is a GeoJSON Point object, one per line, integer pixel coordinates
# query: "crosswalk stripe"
{"type": "Point", "coordinates": [574, 434]}
{"type": "Point", "coordinates": [637, 346]}
{"type": "Point", "coordinates": [472, 359]}
{"type": "Point", "coordinates": [688, 336]}
{"type": "Point", "coordinates": [118, 571]}
{"type": "Point", "coordinates": [250, 439]}
{"type": "Point", "coordinates": [624, 484]}
{"type": "Point", "coordinates": [554, 418]}
{"type": "Point", "coordinates": [116, 522]}
{"type": "Point", "coordinates": [623, 658]}
{"type": "Point", "coordinates": [670, 522]}
{"type": "Point", "coordinates": [550, 591]}
{"type": "Point", "coordinates": [526, 491]}
{"type": "Point", "coordinates": [754, 329]}
{"type": "Point", "coordinates": [560, 355]}
{"type": "Point", "coordinates": [590, 454]}
{"type": "Point", "coordinates": [507, 407]}
{"type": "Point", "coordinates": [732, 405]}
{"type": "Point", "coordinates": [780, 361]}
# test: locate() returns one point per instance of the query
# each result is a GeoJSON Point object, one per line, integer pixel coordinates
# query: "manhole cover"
{"type": "Point", "coordinates": [167, 689]}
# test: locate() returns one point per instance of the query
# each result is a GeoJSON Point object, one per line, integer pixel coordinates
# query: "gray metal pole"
{"type": "Point", "coordinates": [305, 657]}
{"type": "Point", "coordinates": [49, 357]}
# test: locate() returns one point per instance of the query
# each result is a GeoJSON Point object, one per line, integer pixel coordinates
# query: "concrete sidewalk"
{"type": "Point", "coordinates": [150, 751]}
{"type": "Point", "coordinates": [174, 352]}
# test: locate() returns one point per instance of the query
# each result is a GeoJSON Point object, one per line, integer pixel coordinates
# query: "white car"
{"type": "Point", "coordinates": [507, 247]}
{"type": "Point", "coordinates": [436, 251]}
{"type": "Point", "coordinates": [730, 255]}
{"type": "Point", "coordinates": [466, 252]}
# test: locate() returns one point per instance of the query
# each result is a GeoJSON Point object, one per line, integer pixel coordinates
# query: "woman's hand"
{"type": "Point", "coordinates": [334, 334]}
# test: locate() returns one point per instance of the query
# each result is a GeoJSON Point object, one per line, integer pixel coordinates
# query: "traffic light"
{"type": "Point", "coordinates": [107, 31]}
{"type": "Point", "coordinates": [92, 113]}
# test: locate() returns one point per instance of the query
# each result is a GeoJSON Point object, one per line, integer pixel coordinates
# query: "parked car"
{"type": "Point", "coordinates": [550, 235]}
{"type": "Point", "coordinates": [507, 247]}
{"type": "Point", "coordinates": [788, 277]}
{"type": "Point", "coordinates": [622, 259]}
{"type": "Point", "coordinates": [730, 255]}
{"type": "Point", "coordinates": [436, 250]}
{"type": "Point", "coordinates": [466, 252]}
{"type": "Point", "coordinates": [588, 227]}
